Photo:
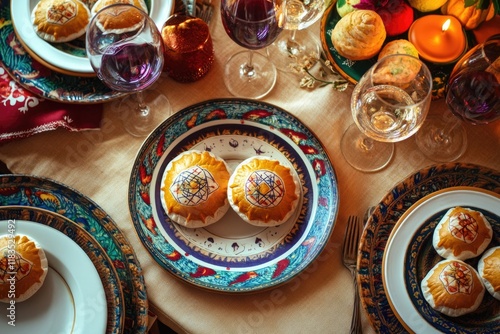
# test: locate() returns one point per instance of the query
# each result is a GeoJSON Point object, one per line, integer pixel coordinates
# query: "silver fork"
{"type": "Point", "coordinates": [349, 258]}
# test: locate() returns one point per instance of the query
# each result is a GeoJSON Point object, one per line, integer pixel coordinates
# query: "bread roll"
{"type": "Point", "coordinates": [488, 268]}
{"type": "Point", "coordinates": [359, 35]}
{"type": "Point", "coordinates": [263, 191]}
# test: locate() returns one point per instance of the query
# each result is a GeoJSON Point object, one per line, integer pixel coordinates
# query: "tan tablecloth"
{"type": "Point", "coordinates": [98, 164]}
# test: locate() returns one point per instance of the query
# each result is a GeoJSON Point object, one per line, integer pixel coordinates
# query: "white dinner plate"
{"type": "Point", "coordinates": [68, 58]}
{"type": "Point", "coordinates": [409, 254]}
{"type": "Point", "coordinates": [72, 297]}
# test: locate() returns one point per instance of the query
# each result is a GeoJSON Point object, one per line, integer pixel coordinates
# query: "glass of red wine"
{"type": "Point", "coordinates": [252, 24]}
{"type": "Point", "coordinates": [125, 49]}
{"type": "Point", "coordinates": [473, 96]}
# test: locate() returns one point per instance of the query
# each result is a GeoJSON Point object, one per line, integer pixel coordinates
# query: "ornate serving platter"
{"type": "Point", "coordinates": [82, 284]}
{"type": "Point", "coordinates": [43, 193]}
{"type": "Point", "coordinates": [231, 256]}
{"type": "Point", "coordinates": [403, 271]}
{"type": "Point", "coordinates": [386, 215]}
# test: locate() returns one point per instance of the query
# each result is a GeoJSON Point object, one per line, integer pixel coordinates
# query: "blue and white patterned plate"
{"type": "Point", "coordinates": [47, 194]}
{"type": "Point", "coordinates": [231, 256]}
{"type": "Point", "coordinates": [95, 252]}
{"type": "Point", "coordinates": [385, 216]}
{"type": "Point", "coordinates": [40, 80]}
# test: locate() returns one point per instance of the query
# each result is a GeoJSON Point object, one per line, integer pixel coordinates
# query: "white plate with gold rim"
{"type": "Point", "coordinates": [72, 297]}
{"type": "Point", "coordinates": [409, 255]}
{"type": "Point", "coordinates": [68, 58]}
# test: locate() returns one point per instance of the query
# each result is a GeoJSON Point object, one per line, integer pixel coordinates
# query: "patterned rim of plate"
{"type": "Point", "coordinates": [40, 80]}
{"type": "Point", "coordinates": [98, 256]}
{"type": "Point", "coordinates": [43, 193]}
{"type": "Point", "coordinates": [271, 124]}
{"type": "Point", "coordinates": [386, 215]}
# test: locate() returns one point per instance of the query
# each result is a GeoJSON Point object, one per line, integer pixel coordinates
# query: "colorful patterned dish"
{"type": "Point", "coordinates": [67, 58]}
{"type": "Point", "coordinates": [47, 194]}
{"type": "Point", "coordinates": [237, 258]}
{"type": "Point", "coordinates": [40, 80]}
{"type": "Point", "coordinates": [388, 212]}
{"type": "Point", "coordinates": [72, 253]}
{"type": "Point", "coordinates": [403, 274]}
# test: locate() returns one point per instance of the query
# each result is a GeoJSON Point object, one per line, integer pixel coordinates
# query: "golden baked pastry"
{"type": "Point", "coordinates": [23, 266]}
{"type": "Point", "coordinates": [462, 234]}
{"type": "Point", "coordinates": [453, 287]}
{"type": "Point", "coordinates": [60, 21]}
{"type": "Point", "coordinates": [397, 71]}
{"type": "Point", "coordinates": [488, 268]}
{"type": "Point", "coordinates": [119, 19]}
{"type": "Point", "coordinates": [194, 192]}
{"type": "Point", "coordinates": [398, 46]}
{"type": "Point", "coordinates": [100, 4]}
{"type": "Point", "coordinates": [263, 191]}
{"type": "Point", "coordinates": [359, 35]}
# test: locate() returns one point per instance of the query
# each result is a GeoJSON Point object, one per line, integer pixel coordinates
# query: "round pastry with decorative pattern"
{"type": "Point", "coordinates": [488, 268]}
{"type": "Point", "coordinates": [194, 189]}
{"type": "Point", "coordinates": [23, 267]}
{"type": "Point", "coordinates": [453, 287]}
{"type": "Point", "coordinates": [462, 234]}
{"type": "Point", "coordinates": [263, 191]}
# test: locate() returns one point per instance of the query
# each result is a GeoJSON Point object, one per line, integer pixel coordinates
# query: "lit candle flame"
{"type": "Point", "coordinates": [446, 25]}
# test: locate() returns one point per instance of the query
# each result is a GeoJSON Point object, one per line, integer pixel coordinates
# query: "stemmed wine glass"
{"type": "Point", "coordinates": [253, 24]}
{"type": "Point", "coordinates": [125, 49]}
{"type": "Point", "coordinates": [388, 104]}
{"type": "Point", "coordinates": [298, 15]}
{"type": "Point", "coordinates": [473, 95]}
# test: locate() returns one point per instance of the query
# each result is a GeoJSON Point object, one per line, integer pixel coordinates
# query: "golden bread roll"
{"type": "Point", "coordinates": [263, 192]}
{"type": "Point", "coordinates": [488, 268]}
{"type": "Point", "coordinates": [23, 268]}
{"type": "Point", "coordinates": [462, 234]}
{"type": "Point", "coordinates": [453, 287]}
{"type": "Point", "coordinates": [118, 19]}
{"type": "Point", "coordinates": [100, 4]}
{"type": "Point", "coordinates": [194, 191]}
{"type": "Point", "coordinates": [399, 46]}
{"type": "Point", "coordinates": [396, 70]}
{"type": "Point", "coordinates": [60, 21]}
{"type": "Point", "coordinates": [359, 35]}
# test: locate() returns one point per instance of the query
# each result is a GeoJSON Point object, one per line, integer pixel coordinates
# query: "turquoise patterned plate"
{"type": "Point", "coordinates": [231, 256]}
{"type": "Point", "coordinates": [40, 80]}
{"type": "Point", "coordinates": [47, 194]}
{"type": "Point", "coordinates": [98, 256]}
{"type": "Point", "coordinates": [388, 212]}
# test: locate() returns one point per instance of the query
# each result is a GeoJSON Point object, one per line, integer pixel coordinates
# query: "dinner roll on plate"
{"type": "Point", "coordinates": [488, 268]}
{"type": "Point", "coordinates": [263, 192]}
{"type": "Point", "coordinates": [194, 191]}
{"type": "Point", "coordinates": [60, 21]}
{"type": "Point", "coordinates": [453, 287]}
{"type": "Point", "coordinates": [462, 234]}
{"type": "Point", "coordinates": [23, 268]}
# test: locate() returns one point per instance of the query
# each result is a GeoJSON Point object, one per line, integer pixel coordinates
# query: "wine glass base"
{"type": "Point", "coordinates": [253, 82]}
{"type": "Point", "coordinates": [440, 140]}
{"type": "Point", "coordinates": [287, 52]}
{"type": "Point", "coordinates": [364, 153]}
{"type": "Point", "coordinates": [139, 123]}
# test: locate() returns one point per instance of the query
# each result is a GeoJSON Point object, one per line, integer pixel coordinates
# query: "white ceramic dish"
{"type": "Point", "coordinates": [72, 298]}
{"type": "Point", "coordinates": [67, 58]}
{"type": "Point", "coordinates": [407, 232]}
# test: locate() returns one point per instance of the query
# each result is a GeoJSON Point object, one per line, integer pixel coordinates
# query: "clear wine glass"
{"type": "Point", "coordinates": [125, 49]}
{"type": "Point", "coordinates": [252, 24]}
{"type": "Point", "coordinates": [473, 95]}
{"type": "Point", "coordinates": [388, 104]}
{"type": "Point", "coordinates": [297, 16]}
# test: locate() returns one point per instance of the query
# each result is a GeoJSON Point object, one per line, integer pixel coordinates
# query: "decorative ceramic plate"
{"type": "Point", "coordinates": [47, 194]}
{"type": "Point", "coordinates": [230, 255]}
{"type": "Point", "coordinates": [40, 80]}
{"type": "Point", "coordinates": [79, 263]}
{"type": "Point", "coordinates": [385, 216]}
{"type": "Point", "coordinates": [403, 274]}
{"type": "Point", "coordinates": [68, 58]}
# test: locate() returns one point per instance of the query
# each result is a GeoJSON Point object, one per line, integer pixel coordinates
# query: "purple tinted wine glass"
{"type": "Point", "coordinates": [125, 49]}
{"type": "Point", "coordinates": [473, 95]}
{"type": "Point", "coordinates": [252, 24]}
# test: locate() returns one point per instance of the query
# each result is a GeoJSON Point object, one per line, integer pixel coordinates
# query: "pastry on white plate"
{"type": "Point", "coordinates": [488, 268]}
{"type": "Point", "coordinates": [462, 234]}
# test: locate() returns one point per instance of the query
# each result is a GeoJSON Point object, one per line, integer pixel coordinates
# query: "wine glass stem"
{"type": "Point", "coordinates": [292, 46]}
{"type": "Point", "coordinates": [143, 108]}
{"type": "Point", "coordinates": [247, 69]}
{"type": "Point", "coordinates": [442, 135]}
